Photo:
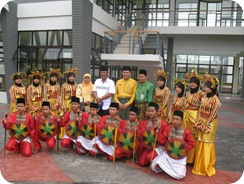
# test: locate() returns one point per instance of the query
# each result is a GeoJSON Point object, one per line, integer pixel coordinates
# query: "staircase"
{"type": "Point", "coordinates": [129, 44]}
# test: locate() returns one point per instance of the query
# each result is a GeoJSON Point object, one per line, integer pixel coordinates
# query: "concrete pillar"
{"type": "Point", "coordinates": [81, 36]}
{"type": "Point", "coordinates": [172, 13]}
{"type": "Point", "coordinates": [9, 24]}
{"type": "Point", "coordinates": [236, 75]}
{"type": "Point", "coordinates": [169, 63]}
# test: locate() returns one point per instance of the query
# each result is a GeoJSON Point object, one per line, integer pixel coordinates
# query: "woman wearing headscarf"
{"type": "Point", "coordinates": [206, 126]}
{"type": "Point", "coordinates": [192, 105]}
{"type": "Point", "coordinates": [179, 100]}
{"type": "Point", "coordinates": [52, 90]}
{"type": "Point", "coordinates": [162, 94]}
{"type": "Point", "coordinates": [35, 93]}
{"type": "Point", "coordinates": [17, 90]}
{"type": "Point", "coordinates": [84, 91]}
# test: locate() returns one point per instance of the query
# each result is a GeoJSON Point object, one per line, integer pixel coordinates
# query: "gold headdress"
{"type": "Point", "coordinates": [17, 73]}
{"type": "Point", "coordinates": [71, 70]}
{"type": "Point", "coordinates": [193, 74]}
{"type": "Point", "coordinates": [57, 71]}
{"type": "Point", "coordinates": [183, 81]}
{"type": "Point", "coordinates": [214, 80]}
{"type": "Point", "coordinates": [33, 73]}
{"type": "Point", "coordinates": [160, 73]}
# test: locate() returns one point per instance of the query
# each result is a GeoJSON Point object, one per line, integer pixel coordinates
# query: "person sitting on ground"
{"type": "Point", "coordinates": [45, 136]}
{"type": "Point", "coordinates": [174, 164]}
{"type": "Point", "coordinates": [19, 142]}
{"type": "Point", "coordinates": [74, 115]}
{"type": "Point", "coordinates": [89, 127]}
{"type": "Point", "coordinates": [106, 131]}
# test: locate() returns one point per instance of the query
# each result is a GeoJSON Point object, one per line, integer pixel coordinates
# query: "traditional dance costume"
{"type": "Point", "coordinates": [163, 162]}
{"type": "Point", "coordinates": [207, 124]}
{"type": "Point", "coordinates": [190, 114]}
{"type": "Point", "coordinates": [107, 149]}
{"type": "Point", "coordinates": [145, 153]}
{"type": "Point", "coordinates": [50, 141]}
{"type": "Point", "coordinates": [68, 142]}
{"type": "Point", "coordinates": [17, 90]}
{"type": "Point", "coordinates": [52, 92]}
{"type": "Point", "coordinates": [162, 95]}
{"type": "Point", "coordinates": [23, 146]}
{"type": "Point", "coordinates": [35, 94]}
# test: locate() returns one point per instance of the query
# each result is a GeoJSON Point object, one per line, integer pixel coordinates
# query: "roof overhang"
{"type": "Point", "coordinates": [133, 60]}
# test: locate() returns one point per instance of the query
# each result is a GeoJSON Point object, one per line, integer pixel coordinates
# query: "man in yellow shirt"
{"type": "Point", "coordinates": [125, 91]}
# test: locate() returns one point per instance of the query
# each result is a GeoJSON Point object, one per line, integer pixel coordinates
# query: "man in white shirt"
{"type": "Point", "coordinates": [103, 90]}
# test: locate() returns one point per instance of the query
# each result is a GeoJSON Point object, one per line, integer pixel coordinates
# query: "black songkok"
{"type": "Point", "coordinates": [104, 69]}
{"type": "Point", "coordinates": [134, 109]}
{"type": "Point", "coordinates": [154, 104]}
{"type": "Point", "coordinates": [94, 105]}
{"type": "Point", "coordinates": [178, 113]}
{"type": "Point", "coordinates": [126, 68]}
{"type": "Point", "coordinates": [142, 71]}
{"type": "Point", "coordinates": [45, 103]}
{"type": "Point", "coordinates": [115, 105]}
{"type": "Point", "coordinates": [20, 100]}
{"type": "Point", "coordinates": [75, 99]}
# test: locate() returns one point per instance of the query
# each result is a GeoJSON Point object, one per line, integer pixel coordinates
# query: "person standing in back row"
{"type": "Point", "coordinates": [144, 93]}
{"type": "Point", "coordinates": [125, 93]}
{"type": "Point", "coordinates": [103, 91]}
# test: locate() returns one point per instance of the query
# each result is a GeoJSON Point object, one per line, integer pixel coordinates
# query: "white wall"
{"type": "Point", "coordinates": [45, 16]}
{"type": "Point", "coordinates": [58, 15]}
{"type": "Point", "coordinates": [102, 21]}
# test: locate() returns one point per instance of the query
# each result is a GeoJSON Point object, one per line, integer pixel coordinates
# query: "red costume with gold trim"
{"type": "Point", "coordinates": [23, 146]}
{"type": "Point", "coordinates": [51, 141]}
{"type": "Point", "coordinates": [145, 154]}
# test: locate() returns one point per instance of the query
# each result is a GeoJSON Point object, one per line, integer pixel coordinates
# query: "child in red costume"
{"type": "Point", "coordinates": [92, 120]}
{"type": "Point", "coordinates": [147, 153]}
{"type": "Point", "coordinates": [20, 142]}
{"type": "Point", "coordinates": [112, 120]}
{"type": "Point", "coordinates": [50, 140]}
{"type": "Point", "coordinates": [131, 126]}
{"type": "Point", "coordinates": [76, 115]}
{"type": "Point", "coordinates": [175, 167]}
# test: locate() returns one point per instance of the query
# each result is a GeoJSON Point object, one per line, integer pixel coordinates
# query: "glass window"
{"type": "Point", "coordinates": [40, 38]}
{"type": "Point", "coordinates": [55, 38]}
{"type": "Point", "coordinates": [227, 69]}
{"type": "Point", "coordinates": [216, 60]}
{"type": "Point", "coordinates": [24, 52]}
{"type": "Point", "coordinates": [181, 58]}
{"type": "Point", "coordinates": [204, 59]}
{"type": "Point", "coordinates": [192, 67]}
{"type": "Point", "coordinates": [193, 59]}
{"type": "Point", "coordinates": [2, 69]}
{"type": "Point", "coordinates": [214, 69]}
{"type": "Point", "coordinates": [67, 38]}
{"type": "Point", "coordinates": [66, 53]}
{"type": "Point", "coordinates": [203, 69]}
{"type": "Point", "coordinates": [25, 38]}
{"type": "Point", "coordinates": [180, 68]}
{"type": "Point", "coordinates": [52, 53]}
{"type": "Point", "coordinates": [37, 53]}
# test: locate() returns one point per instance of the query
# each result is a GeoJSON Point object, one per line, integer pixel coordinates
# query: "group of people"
{"type": "Point", "coordinates": [122, 120]}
